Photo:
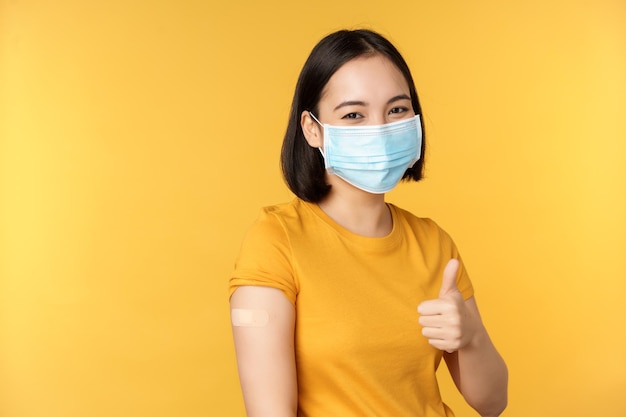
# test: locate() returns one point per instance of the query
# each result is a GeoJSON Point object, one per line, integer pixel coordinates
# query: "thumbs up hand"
{"type": "Point", "coordinates": [447, 323]}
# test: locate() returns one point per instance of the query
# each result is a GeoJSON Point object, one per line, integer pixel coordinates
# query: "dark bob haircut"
{"type": "Point", "coordinates": [303, 165]}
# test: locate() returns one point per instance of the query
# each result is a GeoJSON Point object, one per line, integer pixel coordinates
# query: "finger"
{"type": "Point", "coordinates": [443, 345]}
{"type": "Point", "coordinates": [432, 307]}
{"type": "Point", "coordinates": [430, 321]}
{"type": "Point", "coordinates": [434, 333]}
{"type": "Point", "coordinates": [448, 284]}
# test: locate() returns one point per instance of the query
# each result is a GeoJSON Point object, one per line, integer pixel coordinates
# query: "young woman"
{"type": "Point", "coordinates": [343, 304]}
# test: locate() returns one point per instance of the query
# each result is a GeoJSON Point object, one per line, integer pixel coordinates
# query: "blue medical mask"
{"type": "Point", "coordinates": [372, 158]}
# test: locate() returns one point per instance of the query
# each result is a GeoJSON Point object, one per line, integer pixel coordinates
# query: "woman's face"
{"type": "Point", "coordinates": [368, 90]}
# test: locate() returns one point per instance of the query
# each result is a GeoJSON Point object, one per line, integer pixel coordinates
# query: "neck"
{"type": "Point", "coordinates": [358, 211]}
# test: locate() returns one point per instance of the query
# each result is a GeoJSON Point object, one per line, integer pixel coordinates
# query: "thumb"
{"type": "Point", "coordinates": [448, 284]}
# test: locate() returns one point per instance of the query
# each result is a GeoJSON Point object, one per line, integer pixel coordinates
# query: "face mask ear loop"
{"type": "Point", "coordinates": [315, 118]}
{"type": "Point", "coordinates": [319, 123]}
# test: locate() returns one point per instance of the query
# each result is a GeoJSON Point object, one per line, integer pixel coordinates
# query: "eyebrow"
{"type": "Point", "coordinates": [362, 103]}
{"type": "Point", "coordinates": [398, 98]}
{"type": "Point", "coordinates": [350, 103]}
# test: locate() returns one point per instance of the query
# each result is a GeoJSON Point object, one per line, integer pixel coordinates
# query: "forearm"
{"type": "Point", "coordinates": [453, 325]}
{"type": "Point", "coordinates": [481, 375]}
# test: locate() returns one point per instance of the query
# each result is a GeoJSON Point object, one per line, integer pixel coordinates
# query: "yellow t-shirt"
{"type": "Point", "coordinates": [359, 347]}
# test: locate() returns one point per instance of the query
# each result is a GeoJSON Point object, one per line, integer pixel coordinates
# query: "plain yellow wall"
{"type": "Point", "coordinates": [139, 139]}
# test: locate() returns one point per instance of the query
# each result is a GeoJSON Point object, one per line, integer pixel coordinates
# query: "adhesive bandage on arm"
{"type": "Point", "coordinates": [242, 317]}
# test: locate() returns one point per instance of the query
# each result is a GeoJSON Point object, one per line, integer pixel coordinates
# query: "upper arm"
{"type": "Point", "coordinates": [265, 353]}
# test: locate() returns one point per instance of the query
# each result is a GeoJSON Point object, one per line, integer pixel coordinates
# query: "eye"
{"type": "Point", "coordinates": [398, 110]}
{"type": "Point", "coordinates": [352, 116]}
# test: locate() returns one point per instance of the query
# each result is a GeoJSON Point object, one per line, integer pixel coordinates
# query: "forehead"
{"type": "Point", "coordinates": [366, 76]}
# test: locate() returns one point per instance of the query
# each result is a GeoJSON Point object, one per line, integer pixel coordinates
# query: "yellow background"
{"type": "Point", "coordinates": [139, 139]}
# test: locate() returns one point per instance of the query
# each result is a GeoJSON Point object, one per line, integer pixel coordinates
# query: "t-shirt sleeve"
{"type": "Point", "coordinates": [463, 282]}
{"type": "Point", "coordinates": [265, 258]}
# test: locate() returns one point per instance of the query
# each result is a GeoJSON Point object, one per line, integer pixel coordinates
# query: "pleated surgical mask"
{"type": "Point", "coordinates": [372, 158]}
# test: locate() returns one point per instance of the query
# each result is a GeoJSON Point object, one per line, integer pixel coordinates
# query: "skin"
{"type": "Point", "coordinates": [368, 90]}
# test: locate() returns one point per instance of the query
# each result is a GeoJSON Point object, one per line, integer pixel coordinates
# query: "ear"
{"type": "Point", "coordinates": [313, 132]}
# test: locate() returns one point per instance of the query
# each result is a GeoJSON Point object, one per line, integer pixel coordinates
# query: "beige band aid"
{"type": "Point", "coordinates": [249, 318]}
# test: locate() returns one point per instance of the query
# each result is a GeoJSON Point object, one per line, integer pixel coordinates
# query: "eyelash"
{"type": "Point", "coordinates": [395, 110]}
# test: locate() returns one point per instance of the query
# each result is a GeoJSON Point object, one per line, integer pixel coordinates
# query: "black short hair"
{"type": "Point", "coordinates": [303, 165]}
